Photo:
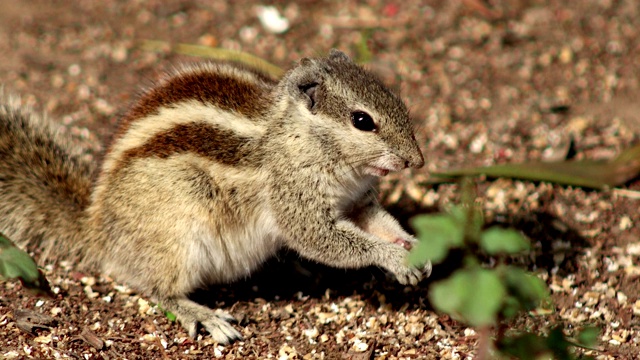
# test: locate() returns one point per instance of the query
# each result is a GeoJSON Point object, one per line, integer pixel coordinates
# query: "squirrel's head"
{"type": "Point", "coordinates": [351, 112]}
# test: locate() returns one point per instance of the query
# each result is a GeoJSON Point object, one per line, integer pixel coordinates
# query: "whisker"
{"type": "Point", "coordinates": [349, 166]}
{"type": "Point", "coordinates": [358, 160]}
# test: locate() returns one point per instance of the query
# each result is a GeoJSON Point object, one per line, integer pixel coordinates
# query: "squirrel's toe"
{"type": "Point", "coordinates": [221, 331]}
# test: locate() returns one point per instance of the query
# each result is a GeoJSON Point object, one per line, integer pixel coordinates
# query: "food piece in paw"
{"type": "Point", "coordinates": [404, 243]}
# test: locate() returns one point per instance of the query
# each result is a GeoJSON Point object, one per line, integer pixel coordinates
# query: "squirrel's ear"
{"type": "Point", "coordinates": [309, 91]}
{"type": "Point", "coordinates": [306, 62]}
{"type": "Point", "coordinates": [304, 80]}
{"type": "Point", "coordinates": [337, 55]}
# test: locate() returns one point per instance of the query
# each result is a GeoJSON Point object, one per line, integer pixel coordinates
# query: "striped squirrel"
{"type": "Point", "coordinates": [209, 173]}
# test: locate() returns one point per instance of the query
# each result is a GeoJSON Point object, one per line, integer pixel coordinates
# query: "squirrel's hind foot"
{"type": "Point", "coordinates": [190, 314]}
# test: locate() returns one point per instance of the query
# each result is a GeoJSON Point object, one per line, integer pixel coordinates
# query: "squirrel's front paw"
{"type": "Point", "coordinates": [399, 267]}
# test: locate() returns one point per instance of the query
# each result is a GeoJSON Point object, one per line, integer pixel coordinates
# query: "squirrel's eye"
{"type": "Point", "coordinates": [362, 121]}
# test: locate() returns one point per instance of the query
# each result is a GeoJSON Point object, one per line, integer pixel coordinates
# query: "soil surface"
{"type": "Point", "coordinates": [486, 81]}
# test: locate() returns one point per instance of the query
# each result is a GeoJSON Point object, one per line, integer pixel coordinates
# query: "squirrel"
{"type": "Point", "coordinates": [209, 173]}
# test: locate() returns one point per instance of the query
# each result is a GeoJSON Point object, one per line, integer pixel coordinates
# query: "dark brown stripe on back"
{"type": "Point", "coordinates": [224, 91]}
{"type": "Point", "coordinates": [223, 146]}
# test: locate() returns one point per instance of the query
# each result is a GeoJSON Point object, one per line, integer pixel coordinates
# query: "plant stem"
{"type": "Point", "coordinates": [484, 343]}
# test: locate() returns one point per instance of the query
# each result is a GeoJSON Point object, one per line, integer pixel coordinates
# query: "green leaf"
{"type": "Point", "coordinates": [588, 337]}
{"type": "Point", "coordinates": [511, 307]}
{"type": "Point", "coordinates": [436, 235]}
{"type": "Point", "coordinates": [525, 346]}
{"type": "Point", "coordinates": [497, 240]}
{"type": "Point", "coordinates": [474, 295]}
{"type": "Point", "coordinates": [449, 295]}
{"type": "Point", "coordinates": [16, 264]}
{"type": "Point", "coordinates": [528, 289]}
{"type": "Point", "coordinates": [458, 213]}
{"type": "Point", "coordinates": [558, 343]}
{"type": "Point", "coordinates": [5, 243]}
{"type": "Point", "coordinates": [487, 296]}
{"type": "Point", "coordinates": [171, 316]}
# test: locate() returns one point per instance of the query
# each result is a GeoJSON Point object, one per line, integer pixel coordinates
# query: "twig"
{"type": "Point", "coordinates": [482, 9]}
{"type": "Point", "coordinates": [214, 53]}
{"type": "Point", "coordinates": [156, 330]}
{"type": "Point", "coordinates": [631, 194]}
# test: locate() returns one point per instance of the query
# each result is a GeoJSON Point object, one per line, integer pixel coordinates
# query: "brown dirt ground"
{"type": "Point", "coordinates": [487, 82]}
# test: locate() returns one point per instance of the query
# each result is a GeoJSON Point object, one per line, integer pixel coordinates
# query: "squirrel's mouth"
{"type": "Point", "coordinates": [376, 171]}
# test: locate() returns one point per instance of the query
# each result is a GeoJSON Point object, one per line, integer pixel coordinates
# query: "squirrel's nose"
{"type": "Point", "coordinates": [415, 161]}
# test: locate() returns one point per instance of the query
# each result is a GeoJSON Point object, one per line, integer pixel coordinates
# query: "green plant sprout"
{"type": "Point", "coordinates": [480, 296]}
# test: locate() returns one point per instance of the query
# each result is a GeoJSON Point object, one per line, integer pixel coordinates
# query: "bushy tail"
{"type": "Point", "coordinates": [44, 185]}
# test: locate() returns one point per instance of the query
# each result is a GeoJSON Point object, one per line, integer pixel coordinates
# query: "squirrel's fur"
{"type": "Point", "coordinates": [209, 173]}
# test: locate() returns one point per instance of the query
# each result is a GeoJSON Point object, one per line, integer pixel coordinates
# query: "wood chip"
{"type": "Point", "coordinates": [28, 321]}
{"type": "Point", "coordinates": [91, 338]}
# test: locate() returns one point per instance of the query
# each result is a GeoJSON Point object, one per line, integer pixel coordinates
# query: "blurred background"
{"type": "Point", "coordinates": [487, 81]}
{"type": "Point", "coordinates": [460, 65]}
